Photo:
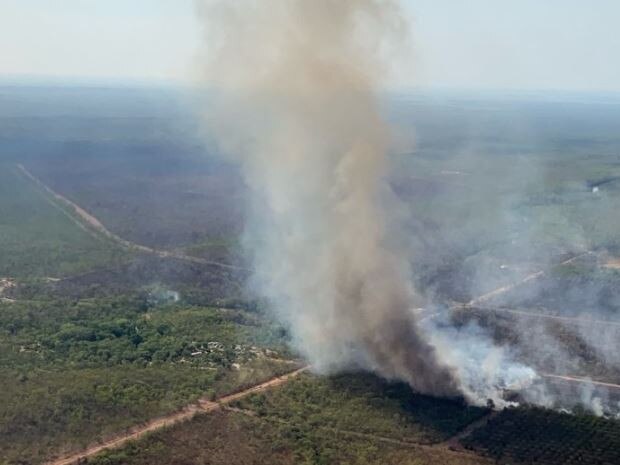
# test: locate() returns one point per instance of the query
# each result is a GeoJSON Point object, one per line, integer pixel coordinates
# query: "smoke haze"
{"type": "Point", "coordinates": [296, 101]}
{"type": "Point", "coordinates": [294, 91]}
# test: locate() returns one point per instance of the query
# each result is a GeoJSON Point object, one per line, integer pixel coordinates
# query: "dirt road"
{"type": "Point", "coordinates": [528, 314]}
{"type": "Point", "coordinates": [202, 406]}
{"type": "Point", "coordinates": [96, 228]}
{"type": "Point", "coordinates": [444, 447]}
{"type": "Point", "coordinates": [525, 280]}
{"type": "Point", "coordinates": [577, 379]}
{"type": "Point", "coordinates": [205, 406]}
{"type": "Point", "coordinates": [454, 442]}
{"type": "Point", "coordinates": [477, 301]}
{"type": "Point", "coordinates": [573, 320]}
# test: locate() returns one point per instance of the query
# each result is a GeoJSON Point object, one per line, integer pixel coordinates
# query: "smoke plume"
{"type": "Point", "coordinates": [294, 99]}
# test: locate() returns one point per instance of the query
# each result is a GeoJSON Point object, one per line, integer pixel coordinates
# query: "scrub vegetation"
{"type": "Point", "coordinates": [528, 436]}
{"type": "Point", "coordinates": [40, 239]}
{"type": "Point", "coordinates": [74, 372]}
{"type": "Point", "coordinates": [95, 339]}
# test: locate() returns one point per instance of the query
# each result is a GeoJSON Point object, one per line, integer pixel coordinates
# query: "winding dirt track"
{"type": "Point", "coordinates": [96, 228]}
{"type": "Point", "coordinates": [202, 406]}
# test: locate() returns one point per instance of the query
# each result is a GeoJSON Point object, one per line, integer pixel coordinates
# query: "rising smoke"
{"type": "Point", "coordinates": [295, 87]}
{"type": "Point", "coordinates": [294, 100]}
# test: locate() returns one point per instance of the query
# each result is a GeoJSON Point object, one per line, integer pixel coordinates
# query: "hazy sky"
{"type": "Point", "coordinates": [510, 44]}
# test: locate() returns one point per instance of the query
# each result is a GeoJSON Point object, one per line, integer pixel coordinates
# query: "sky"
{"type": "Point", "coordinates": [483, 44]}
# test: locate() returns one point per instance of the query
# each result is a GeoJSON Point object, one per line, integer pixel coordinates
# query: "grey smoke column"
{"type": "Point", "coordinates": [295, 87]}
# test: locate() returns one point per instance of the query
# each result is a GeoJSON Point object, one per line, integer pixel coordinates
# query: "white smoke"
{"type": "Point", "coordinates": [294, 88]}
{"type": "Point", "coordinates": [485, 371]}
